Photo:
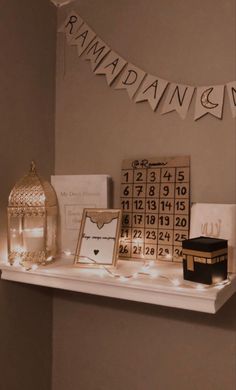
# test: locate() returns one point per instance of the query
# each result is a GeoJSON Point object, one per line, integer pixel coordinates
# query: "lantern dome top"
{"type": "Point", "coordinates": [32, 191]}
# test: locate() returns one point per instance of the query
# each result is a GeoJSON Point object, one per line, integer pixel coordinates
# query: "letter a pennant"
{"type": "Point", "coordinates": [83, 38]}
{"type": "Point", "coordinates": [151, 90]}
{"type": "Point", "coordinates": [111, 66]}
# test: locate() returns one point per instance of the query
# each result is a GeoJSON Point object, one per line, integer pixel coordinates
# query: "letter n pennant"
{"type": "Point", "coordinates": [178, 99]}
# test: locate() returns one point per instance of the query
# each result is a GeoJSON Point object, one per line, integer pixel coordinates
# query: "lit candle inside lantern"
{"type": "Point", "coordinates": [33, 239]}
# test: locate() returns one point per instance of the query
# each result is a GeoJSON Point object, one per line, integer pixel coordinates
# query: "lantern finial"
{"type": "Point", "coordinates": [33, 167]}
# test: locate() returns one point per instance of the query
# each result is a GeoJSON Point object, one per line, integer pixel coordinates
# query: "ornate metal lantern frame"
{"type": "Point", "coordinates": [32, 221]}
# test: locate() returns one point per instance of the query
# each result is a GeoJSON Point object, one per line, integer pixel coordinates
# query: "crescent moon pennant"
{"type": "Point", "coordinates": [205, 99]}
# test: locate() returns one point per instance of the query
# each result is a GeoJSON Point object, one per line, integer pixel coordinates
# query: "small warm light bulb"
{"type": "Point", "coordinates": [217, 280]}
{"type": "Point", "coordinates": [67, 253]}
{"type": "Point", "coordinates": [145, 266]}
{"type": "Point", "coordinates": [154, 274]}
{"type": "Point", "coordinates": [200, 287]}
{"type": "Point", "coordinates": [123, 279]}
{"type": "Point", "coordinates": [102, 273]}
{"type": "Point", "coordinates": [17, 262]}
{"type": "Point", "coordinates": [176, 282]}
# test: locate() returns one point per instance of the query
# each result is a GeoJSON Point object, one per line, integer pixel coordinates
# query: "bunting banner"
{"type": "Point", "coordinates": [209, 100]}
{"type": "Point", "coordinates": [151, 90]}
{"type": "Point", "coordinates": [141, 86]}
{"type": "Point", "coordinates": [71, 25]}
{"type": "Point", "coordinates": [178, 99]}
{"type": "Point", "coordinates": [111, 67]}
{"type": "Point", "coordinates": [95, 52]}
{"type": "Point", "coordinates": [231, 88]}
{"type": "Point", "coordinates": [82, 38]}
{"type": "Point", "coordinates": [130, 79]}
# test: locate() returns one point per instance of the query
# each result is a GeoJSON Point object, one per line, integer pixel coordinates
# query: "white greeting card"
{"type": "Point", "coordinates": [99, 237]}
{"type": "Point", "coordinates": [216, 220]}
{"type": "Point", "coordinates": [74, 193]}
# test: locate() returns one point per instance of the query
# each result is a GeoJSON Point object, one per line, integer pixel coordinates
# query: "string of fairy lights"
{"type": "Point", "coordinates": [147, 269]}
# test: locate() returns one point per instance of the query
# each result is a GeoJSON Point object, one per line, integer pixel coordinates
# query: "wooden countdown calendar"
{"type": "Point", "coordinates": [155, 203]}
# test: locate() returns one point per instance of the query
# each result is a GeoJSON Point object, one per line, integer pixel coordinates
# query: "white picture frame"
{"type": "Point", "coordinates": [98, 238]}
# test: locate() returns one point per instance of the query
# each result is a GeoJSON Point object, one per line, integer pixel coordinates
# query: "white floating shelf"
{"type": "Point", "coordinates": [164, 286]}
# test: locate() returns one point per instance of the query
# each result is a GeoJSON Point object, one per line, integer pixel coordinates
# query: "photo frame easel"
{"type": "Point", "coordinates": [98, 238]}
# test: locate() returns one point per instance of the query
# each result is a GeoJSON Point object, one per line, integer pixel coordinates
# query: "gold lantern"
{"type": "Point", "coordinates": [32, 220]}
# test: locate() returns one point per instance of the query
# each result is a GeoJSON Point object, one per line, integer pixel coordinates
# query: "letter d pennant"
{"type": "Point", "coordinates": [130, 79]}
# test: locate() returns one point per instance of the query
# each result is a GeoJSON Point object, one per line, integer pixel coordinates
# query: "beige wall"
{"type": "Point", "coordinates": [27, 58]}
{"type": "Point", "coordinates": [181, 41]}
{"type": "Point", "coordinates": [101, 343]}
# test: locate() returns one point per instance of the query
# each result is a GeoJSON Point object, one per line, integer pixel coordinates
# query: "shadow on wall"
{"type": "Point", "coordinates": [25, 336]}
{"type": "Point", "coordinates": [225, 318]}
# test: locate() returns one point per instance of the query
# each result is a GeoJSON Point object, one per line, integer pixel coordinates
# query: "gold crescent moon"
{"type": "Point", "coordinates": [205, 99]}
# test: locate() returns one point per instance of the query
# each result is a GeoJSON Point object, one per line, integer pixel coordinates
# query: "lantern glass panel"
{"type": "Point", "coordinates": [51, 234]}
{"type": "Point", "coordinates": [33, 233]}
{"type": "Point", "coordinates": [15, 231]}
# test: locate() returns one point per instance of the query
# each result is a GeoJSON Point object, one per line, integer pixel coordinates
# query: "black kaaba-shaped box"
{"type": "Point", "coordinates": [205, 259]}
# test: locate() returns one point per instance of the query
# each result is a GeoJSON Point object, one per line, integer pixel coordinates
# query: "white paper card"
{"type": "Point", "coordinates": [151, 90]}
{"type": "Point", "coordinates": [216, 220]}
{"type": "Point", "coordinates": [231, 88]}
{"type": "Point", "coordinates": [83, 38]}
{"type": "Point", "coordinates": [178, 99]}
{"type": "Point", "coordinates": [71, 25]}
{"type": "Point", "coordinates": [209, 100]}
{"type": "Point", "coordinates": [111, 66]}
{"type": "Point", "coordinates": [130, 79]}
{"type": "Point", "coordinates": [99, 237]}
{"type": "Point", "coordinates": [74, 193]}
{"type": "Point", "coordinates": [95, 52]}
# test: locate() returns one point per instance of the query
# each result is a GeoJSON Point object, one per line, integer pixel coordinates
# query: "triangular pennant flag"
{"type": "Point", "coordinates": [111, 66]}
{"type": "Point", "coordinates": [83, 38]}
{"type": "Point", "coordinates": [209, 100]}
{"type": "Point", "coordinates": [178, 99]}
{"type": "Point", "coordinates": [130, 79]}
{"type": "Point", "coordinates": [60, 3]}
{"type": "Point", "coordinates": [95, 52]}
{"type": "Point", "coordinates": [231, 88]}
{"type": "Point", "coordinates": [71, 25]}
{"type": "Point", "coordinates": [151, 90]}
